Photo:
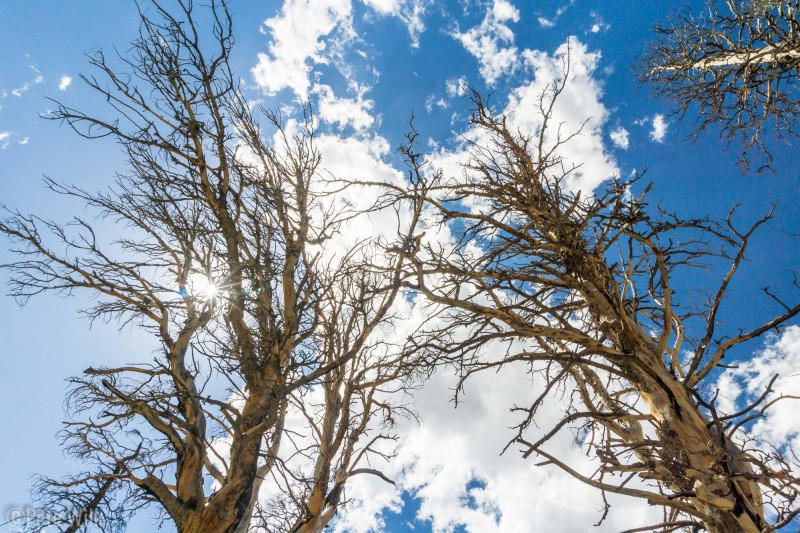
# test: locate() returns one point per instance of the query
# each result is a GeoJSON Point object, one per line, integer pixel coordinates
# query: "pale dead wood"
{"type": "Point", "coordinates": [733, 65]}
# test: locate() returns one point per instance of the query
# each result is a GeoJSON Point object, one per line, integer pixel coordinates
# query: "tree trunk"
{"type": "Point", "coordinates": [229, 509]}
{"type": "Point", "coordinates": [697, 460]}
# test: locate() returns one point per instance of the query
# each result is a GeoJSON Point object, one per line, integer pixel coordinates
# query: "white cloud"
{"type": "Point", "coordinates": [599, 24]}
{"type": "Point", "coordinates": [25, 87]}
{"type": "Point", "coordinates": [563, 9]}
{"type": "Point", "coordinates": [492, 42]}
{"type": "Point", "coordinates": [410, 12]}
{"type": "Point", "coordinates": [5, 141]}
{"type": "Point", "coordinates": [354, 112]}
{"type": "Point", "coordinates": [619, 136]}
{"type": "Point", "coordinates": [64, 83]}
{"type": "Point", "coordinates": [456, 86]}
{"type": "Point", "coordinates": [358, 159]}
{"type": "Point", "coordinates": [579, 102]}
{"type": "Point", "coordinates": [551, 22]}
{"type": "Point", "coordinates": [353, 158]}
{"type": "Point", "coordinates": [577, 109]}
{"type": "Point", "coordinates": [297, 43]}
{"type": "Point", "coordinates": [740, 386]}
{"type": "Point", "coordinates": [452, 464]}
{"type": "Point", "coordinates": [453, 87]}
{"type": "Point", "coordinates": [432, 101]}
{"type": "Point", "coordinates": [659, 128]}
{"type": "Point", "coordinates": [24, 140]}
{"type": "Point", "coordinates": [503, 10]}
{"type": "Point", "coordinates": [311, 32]}
{"type": "Point", "coordinates": [545, 22]}
{"type": "Point", "coordinates": [384, 7]}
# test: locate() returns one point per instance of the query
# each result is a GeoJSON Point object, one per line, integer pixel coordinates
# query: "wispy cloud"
{"type": "Point", "coordinates": [432, 101]}
{"type": "Point", "coordinates": [550, 22]}
{"type": "Point", "coordinates": [545, 22]}
{"type": "Point", "coordinates": [456, 86]}
{"type": "Point", "coordinates": [410, 12]}
{"type": "Point", "coordinates": [25, 87]}
{"type": "Point", "coordinates": [599, 25]}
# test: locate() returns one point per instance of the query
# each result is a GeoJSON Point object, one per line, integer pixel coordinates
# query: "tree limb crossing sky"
{"type": "Point", "coordinates": [368, 66]}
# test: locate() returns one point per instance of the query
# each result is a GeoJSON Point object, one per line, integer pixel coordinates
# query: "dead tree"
{"type": "Point", "coordinates": [736, 63]}
{"type": "Point", "coordinates": [580, 287]}
{"type": "Point", "coordinates": [224, 249]}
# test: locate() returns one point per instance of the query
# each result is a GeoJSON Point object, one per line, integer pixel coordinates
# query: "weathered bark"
{"type": "Point", "coordinates": [696, 460]}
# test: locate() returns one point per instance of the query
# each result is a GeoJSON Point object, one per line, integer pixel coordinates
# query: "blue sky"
{"type": "Point", "coordinates": [367, 65]}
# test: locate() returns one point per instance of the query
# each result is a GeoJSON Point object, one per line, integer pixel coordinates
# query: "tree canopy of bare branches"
{"type": "Point", "coordinates": [276, 366]}
{"type": "Point", "coordinates": [580, 288]}
{"type": "Point", "coordinates": [226, 252]}
{"type": "Point", "coordinates": [736, 62]}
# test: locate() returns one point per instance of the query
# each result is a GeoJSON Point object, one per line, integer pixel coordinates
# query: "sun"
{"type": "Point", "coordinates": [203, 287]}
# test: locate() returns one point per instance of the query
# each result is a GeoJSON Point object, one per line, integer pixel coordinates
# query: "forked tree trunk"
{"type": "Point", "coordinates": [230, 509]}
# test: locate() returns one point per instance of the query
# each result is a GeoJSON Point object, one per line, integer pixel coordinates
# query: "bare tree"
{"type": "Point", "coordinates": [227, 252]}
{"type": "Point", "coordinates": [737, 62]}
{"type": "Point", "coordinates": [580, 288]}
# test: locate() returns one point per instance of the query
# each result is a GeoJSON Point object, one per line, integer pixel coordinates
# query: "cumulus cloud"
{"type": "Point", "coordinates": [311, 32]}
{"type": "Point", "coordinates": [659, 128]}
{"type": "Point", "coordinates": [354, 112]}
{"type": "Point", "coordinates": [64, 83]}
{"type": "Point", "coordinates": [492, 42]}
{"type": "Point", "coordinates": [578, 111]}
{"type": "Point", "coordinates": [619, 136]}
{"type": "Point", "coordinates": [5, 141]}
{"type": "Point", "coordinates": [297, 42]}
{"type": "Point", "coordinates": [452, 464]}
{"type": "Point", "coordinates": [578, 108]}
{"type": "Point", "coordinates": [741, 385]}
